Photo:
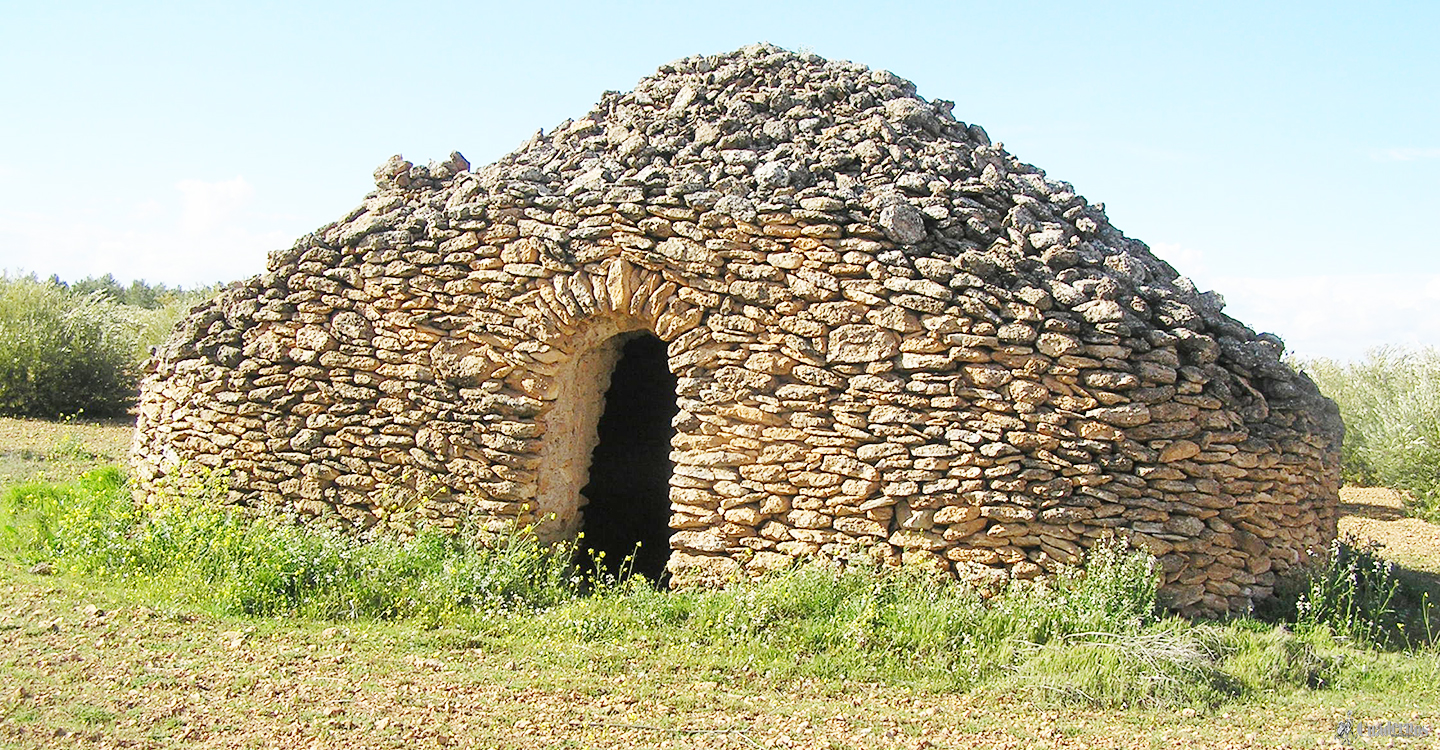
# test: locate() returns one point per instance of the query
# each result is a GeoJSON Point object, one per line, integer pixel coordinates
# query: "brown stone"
{"type": "Point", "coordinates": [850, 366]}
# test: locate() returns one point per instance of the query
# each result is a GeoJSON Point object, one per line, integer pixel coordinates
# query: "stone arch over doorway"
{"type": "Point", "coordinates": [604, 467]}
{"type": "Point", "coordinates": [613, 483]}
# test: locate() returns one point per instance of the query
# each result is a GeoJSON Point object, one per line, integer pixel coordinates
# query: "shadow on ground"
{"type": "Point", "coordinates": [1375, 512]}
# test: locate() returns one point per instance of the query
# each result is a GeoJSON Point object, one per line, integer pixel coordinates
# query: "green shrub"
{"type": "Point", "coordinates": [1390, 403]}
{"type": "Point", "coordinates": [64, 354]}
{"type": "Point", "coordinates": [78, 350]}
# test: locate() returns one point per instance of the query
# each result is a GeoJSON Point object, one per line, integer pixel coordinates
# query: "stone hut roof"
{"type": "Point", "coordinates": [886, 332]}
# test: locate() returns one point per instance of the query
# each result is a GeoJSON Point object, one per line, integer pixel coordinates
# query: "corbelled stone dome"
{"type": "Point", "coordinates": [763, 307]}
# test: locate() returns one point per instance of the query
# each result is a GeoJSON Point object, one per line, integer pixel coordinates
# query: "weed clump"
{"type": "Point", "coordinates": [1358, 595]}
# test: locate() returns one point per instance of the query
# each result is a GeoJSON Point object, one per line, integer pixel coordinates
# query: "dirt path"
{"type": "Point", "coordinates": [1378, 514]}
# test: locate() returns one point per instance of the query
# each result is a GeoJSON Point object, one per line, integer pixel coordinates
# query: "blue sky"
{"type": "Point", "coordinates": [1286, 155]}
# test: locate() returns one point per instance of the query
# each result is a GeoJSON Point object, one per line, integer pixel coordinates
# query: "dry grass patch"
{"type": "Point", "coordinates": [89, 668]}
{"type": "Point", "coordinates": [35, 449]}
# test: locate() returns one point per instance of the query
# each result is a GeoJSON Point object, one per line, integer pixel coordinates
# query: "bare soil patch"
{"type": "Point", "coordinates": [1378, 514]}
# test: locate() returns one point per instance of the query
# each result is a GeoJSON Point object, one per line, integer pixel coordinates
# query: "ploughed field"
{"type": "Point", "coordinates": [86, 662]}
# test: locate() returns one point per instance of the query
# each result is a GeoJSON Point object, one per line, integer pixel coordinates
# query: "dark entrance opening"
{"type": "Point", "coordinates": [629, 489]}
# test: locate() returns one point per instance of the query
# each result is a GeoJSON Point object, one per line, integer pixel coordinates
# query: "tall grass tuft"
{"type": "Point", "coordinates": [1391, 406]}
{"type": "Point", "coordinates": [244, 564]}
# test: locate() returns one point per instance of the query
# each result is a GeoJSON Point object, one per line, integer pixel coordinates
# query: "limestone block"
{"type": "Point", "coordinates": [862, 343]}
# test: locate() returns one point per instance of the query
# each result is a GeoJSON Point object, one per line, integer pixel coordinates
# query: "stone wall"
{"type": "Point", "coordinates": [888, 334]}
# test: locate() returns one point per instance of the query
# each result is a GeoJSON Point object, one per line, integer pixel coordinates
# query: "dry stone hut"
{"type": "Point", "coordinates": [763, 307]}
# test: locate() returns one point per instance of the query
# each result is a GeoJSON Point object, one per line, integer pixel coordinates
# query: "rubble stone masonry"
{"type": "Point", "coordinates": [888, 334]}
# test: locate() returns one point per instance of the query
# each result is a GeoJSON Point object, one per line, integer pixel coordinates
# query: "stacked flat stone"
{"type": "Point", "coordinates": [889, 334]}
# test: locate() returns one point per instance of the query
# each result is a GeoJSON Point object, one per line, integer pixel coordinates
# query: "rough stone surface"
{"type": "Point", "coordinates": [890, 337]}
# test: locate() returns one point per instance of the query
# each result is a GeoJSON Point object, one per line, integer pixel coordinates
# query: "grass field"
{"type": "Point", "coordinates": [87, 661]}
{"type": "Point", "coordinates": [31, 449]}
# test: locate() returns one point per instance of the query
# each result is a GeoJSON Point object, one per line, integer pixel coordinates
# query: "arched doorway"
{"type": "Point", "coordinates": [628, 487]}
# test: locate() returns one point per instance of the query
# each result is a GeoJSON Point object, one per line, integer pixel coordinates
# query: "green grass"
{"type": "Point", "coordinates": [1390, 403]}
{"type": "Point", "coordinates": [93, 715]}
{"type": "Point", "coordinates": [1093, 636]}
{"type": "Point", "coordinates": [222, 558]}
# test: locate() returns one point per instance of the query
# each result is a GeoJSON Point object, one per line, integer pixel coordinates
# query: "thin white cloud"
{"type": "Point", "coordinates": [1407, 154]}
{"type": "Point", "coordinates": [1186, 260]}
{"type": "Point", "coordinates": [1340, 317]}
{"type": "Point", "coordinates": [148, 210]}
{"type": "Point", "coordinates": [1335, 316]}
{"type": "Point", "coordinates": [200, 236]}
